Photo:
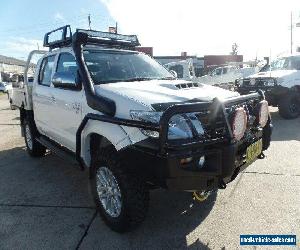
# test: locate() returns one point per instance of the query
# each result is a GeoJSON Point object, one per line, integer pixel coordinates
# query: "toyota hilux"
{"type": "Point", "coordinates": [134, 126]}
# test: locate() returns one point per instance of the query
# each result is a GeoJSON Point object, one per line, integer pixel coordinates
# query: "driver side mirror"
{"type": "Point", "coordinates": [66, 80]}
{"type": "Point", "coordinates": [174, 73]}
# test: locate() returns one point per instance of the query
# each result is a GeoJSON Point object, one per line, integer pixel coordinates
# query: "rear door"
{"type": "Point", "coordinates": [41, 96]}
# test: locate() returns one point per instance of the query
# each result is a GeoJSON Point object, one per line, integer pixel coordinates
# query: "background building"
{"type": "Point", "coordinates": [10, 67]}
{"type": "Point", "coordinates": [216, 60]}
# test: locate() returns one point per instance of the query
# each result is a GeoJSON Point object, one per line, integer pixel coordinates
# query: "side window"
{"type": "Point", "coordinates": [178, 69]}
{"type": "Point", "coordinates": [46, 70]}
{"type": "Point", "coordinates": [67, 63]}
{"type": "Point", "coordinates": [218, 71]}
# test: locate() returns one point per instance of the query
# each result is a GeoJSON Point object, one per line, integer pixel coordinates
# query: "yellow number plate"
{"type": "Point", "coordinates": [253, 151]}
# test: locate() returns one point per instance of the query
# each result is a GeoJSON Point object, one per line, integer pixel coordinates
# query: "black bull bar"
{"type": "Point", "coordinates": [163, 125]}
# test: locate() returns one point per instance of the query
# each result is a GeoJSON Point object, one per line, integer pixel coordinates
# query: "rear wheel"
{"type": "Point", "coordinates": [289, 106]}
{"type": "Point", "coordinates": [121, 198]}
{"type": "Point", "coordinates": [12, 107]}
{"type": "Point", "coordinates": [34, 148]}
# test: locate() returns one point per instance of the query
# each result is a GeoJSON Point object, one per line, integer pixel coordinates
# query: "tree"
{"type": "Point", "coordinates": [234, 48]}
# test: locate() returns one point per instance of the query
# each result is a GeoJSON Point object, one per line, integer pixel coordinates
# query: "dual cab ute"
{"type": "Point", "coordinates": [281, 83]}
{"type": "Point", "coordinates": [135, 127]}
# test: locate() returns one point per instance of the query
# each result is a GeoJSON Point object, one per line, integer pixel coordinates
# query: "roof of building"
{"type": "Point", "coordinates": [11, 61]}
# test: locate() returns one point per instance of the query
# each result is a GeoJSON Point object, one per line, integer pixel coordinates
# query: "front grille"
{"type": "Point", "coordinates": [218, 128]}
{"type": "Point", "coordinates": [258, 82]}
{"type": "Point", "coordinates": [213, 130]}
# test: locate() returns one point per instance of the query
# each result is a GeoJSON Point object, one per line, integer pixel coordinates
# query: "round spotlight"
{"type": "Point", "coordinates": [263, 113]}
{"type": "Point", "coordinates": [239, 123]}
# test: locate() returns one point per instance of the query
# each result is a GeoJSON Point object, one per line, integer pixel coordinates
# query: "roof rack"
{"type": "Point", "coordinates": [92, 37]}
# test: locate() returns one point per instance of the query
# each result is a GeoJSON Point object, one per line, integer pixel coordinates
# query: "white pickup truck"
{"type": "Point", "coordinates": [224, 76]}
{"type": "Point", "coordinates": [126, 119]}
{"type": "Point", "coordinates": [281, 83]}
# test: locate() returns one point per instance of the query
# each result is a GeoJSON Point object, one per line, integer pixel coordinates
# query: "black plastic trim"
{"type": "Point", "coordinates": [99, 103]}
{"type": "Point", "coordinates": [109, 119]}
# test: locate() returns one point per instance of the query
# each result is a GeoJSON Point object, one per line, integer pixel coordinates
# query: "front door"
{"type": "Point", "coordinates": [66, 112]}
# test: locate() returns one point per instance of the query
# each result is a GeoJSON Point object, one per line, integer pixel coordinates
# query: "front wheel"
{"type": "Point", "coordinates": [289, 106]}
{"type": "Point", "coordinates": [121, 198]}
{"type": "Point", "coordinates": [34, 148]}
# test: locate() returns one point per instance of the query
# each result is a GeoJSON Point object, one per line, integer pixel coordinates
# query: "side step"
{"type": "Point", "coordinates": [57, 149]}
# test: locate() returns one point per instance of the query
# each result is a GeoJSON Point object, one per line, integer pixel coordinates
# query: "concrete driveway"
{"type": "Point", "coordinates": [45, 202]}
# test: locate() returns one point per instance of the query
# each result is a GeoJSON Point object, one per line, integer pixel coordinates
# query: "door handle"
{"type": "Point", "coordinates": [52, 99]}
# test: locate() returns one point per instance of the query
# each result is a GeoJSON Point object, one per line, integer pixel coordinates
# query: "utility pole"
{"type": "Point", "coordinates": [89, 21]}
{"type": "Point", "coordinates": [291, 32]}
{"type": "Point", "coordinates": [116, 27]}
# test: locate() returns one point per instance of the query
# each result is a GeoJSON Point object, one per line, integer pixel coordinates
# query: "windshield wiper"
{"type": "Point", "coordinates": [167, 78]}
{"type": "Point", "coordinates": [137, 79]}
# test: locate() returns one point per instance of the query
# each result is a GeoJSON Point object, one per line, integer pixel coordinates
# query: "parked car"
{"type": "Point", "coordinates": [5, 87]}
{"type": "Point", "coordinates": [184, 69]}
{"type": "Point", "coordinates": [226, 76]}
{"type": "Point", "coordinates": [281, 83]}
{"type": "Point", "coordinates": [126, 119]}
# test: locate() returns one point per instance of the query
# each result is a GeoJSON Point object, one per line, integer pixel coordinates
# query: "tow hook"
{"type": "Point", "coordinates": [201, 196]}
{"type": "Point", "coordinates": [222, 184]}
{"type": "Point", "coordinates": [261, 156]}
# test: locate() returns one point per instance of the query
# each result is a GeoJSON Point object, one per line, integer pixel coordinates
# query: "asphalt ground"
{"type": "Point", "coordinates": [45, 202]}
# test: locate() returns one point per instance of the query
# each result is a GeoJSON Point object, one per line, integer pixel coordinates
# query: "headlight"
{"type": "Point", "coordinates": [263, 113]}
{"type": "Point", "coordinates": [178, 125]}
{"type": "Point", "coordinates": [239, 123]}
{"type": "Point", "coordinates": [147, 116]}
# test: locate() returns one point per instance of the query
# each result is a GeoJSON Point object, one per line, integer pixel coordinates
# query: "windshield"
{"type": "Point", "coordinates": [286, 63]}
{"type": "Point", "coordinates": [116, 66]}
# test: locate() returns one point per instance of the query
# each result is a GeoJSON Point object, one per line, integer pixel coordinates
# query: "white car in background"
{"type": "Point", "coordinates": [184, 69]}
{"type": "Point", "coordinates": [5, 87]}
{"type": "Point", "coordinates": [226, 75]}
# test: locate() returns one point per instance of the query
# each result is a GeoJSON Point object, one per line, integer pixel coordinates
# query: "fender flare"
{"type": "Point", "coordinates": [119, 138]}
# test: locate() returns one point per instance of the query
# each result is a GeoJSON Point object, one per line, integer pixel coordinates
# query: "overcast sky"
{"type": "Point", "coordinates": [170, 26]}
{"type": "Point", "coordinates": [209, 27]}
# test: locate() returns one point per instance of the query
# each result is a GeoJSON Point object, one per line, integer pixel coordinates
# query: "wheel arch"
{"type": "Point", "coordinates": [97, 134]}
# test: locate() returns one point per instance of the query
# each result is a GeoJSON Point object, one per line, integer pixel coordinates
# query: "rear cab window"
{"type": "Point", "coordinates": [46, 70]}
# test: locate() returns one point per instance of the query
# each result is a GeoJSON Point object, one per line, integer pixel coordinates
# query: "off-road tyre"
{"type": "Point", "coordinates": [12, 107]}
{"type": "Point", "coordinates": [35, 149]}
{"type": "Point", "coordinates": [289, 106]}
{"type": "Point", "coordinates": [134, 193]}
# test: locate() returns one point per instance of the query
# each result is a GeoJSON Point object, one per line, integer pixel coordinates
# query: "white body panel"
{"type": "Point", "coordinates": [65, 113]}
{"type": "Point", "coordinates": [160, 91]}
{"type": "Point", "coordinates": [16, 96]}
